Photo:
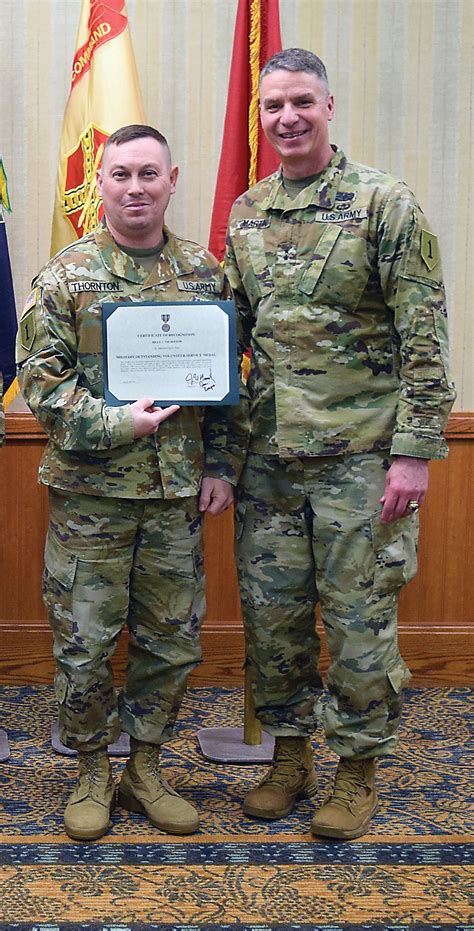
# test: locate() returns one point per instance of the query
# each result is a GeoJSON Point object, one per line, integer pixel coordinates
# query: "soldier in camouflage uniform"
{"type": "Point", "coordinates": [126, 490]}
{"type": "Point", "coordinates": [337, 279]}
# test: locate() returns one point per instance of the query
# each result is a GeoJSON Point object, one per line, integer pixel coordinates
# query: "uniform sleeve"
{"type": "Point", "coordinates": [48, 376]}
{"type": "Point", "coordinates": [245, 312]}
{"type": "Point", "coordinates": [227, 428]}
{"type": "Point", "coordinates": [412, 283]}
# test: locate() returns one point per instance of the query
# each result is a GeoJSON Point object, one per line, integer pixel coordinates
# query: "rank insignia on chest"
{"type": "Point", "coordinates": [201, 287]}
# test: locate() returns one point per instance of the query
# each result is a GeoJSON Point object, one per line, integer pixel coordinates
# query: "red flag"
{"type": "Point", "coordinates": [246, 156]}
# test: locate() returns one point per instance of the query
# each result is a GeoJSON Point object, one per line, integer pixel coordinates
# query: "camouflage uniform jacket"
{"type": "Point", "coordinates": [341, 298]}
{"type": "Point", "coordinates": [91, 449]}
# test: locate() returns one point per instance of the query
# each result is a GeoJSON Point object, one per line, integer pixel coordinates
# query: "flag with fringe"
{"type": "Point", "coordinates": [246, 156]}
{"type": "Point", "coordinates": [8, 319]}
{"type": "Point", "coordinates": [105, 94]}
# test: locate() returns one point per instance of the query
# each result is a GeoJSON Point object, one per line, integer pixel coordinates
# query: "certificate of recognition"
{"type": "Point", "coordinates": [176, 353]}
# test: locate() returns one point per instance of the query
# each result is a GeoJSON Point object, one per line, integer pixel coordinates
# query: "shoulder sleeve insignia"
{"type": "Point", "coordinates": [28, 329]}
{"type": "Point", "coordinates": [32, 299]}
{"type": "Point", "coordinates": [429, 249]}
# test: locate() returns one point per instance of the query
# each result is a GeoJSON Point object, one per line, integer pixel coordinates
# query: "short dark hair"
{"type": "Point", "coordinates": [136, 131]}
{"type": "Point", "coordinates": [296, 59]}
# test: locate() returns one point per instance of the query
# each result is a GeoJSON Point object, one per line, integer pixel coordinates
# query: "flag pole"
{"type": "Point", "coordinates": [4, 202]}
{"type": "Point", "coordinates": [8, 322]}
{"type": "Point", "coordinates": [246, 157]}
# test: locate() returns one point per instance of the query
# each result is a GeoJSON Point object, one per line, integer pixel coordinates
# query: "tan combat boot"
{"type": "Point", "coordinates": [347, 812]}
{"type": "Point", "coordinates": [143, 789]}
{"type": "Point", "coordinates": [290, 778]}
{"type": "Point", "coordinates": [87, 814]}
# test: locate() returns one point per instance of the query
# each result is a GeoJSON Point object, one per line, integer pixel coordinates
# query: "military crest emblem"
{"type": "Point", "coordinates": [81, 201]}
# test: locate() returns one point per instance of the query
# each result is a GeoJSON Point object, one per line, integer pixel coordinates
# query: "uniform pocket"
{"type": "Point", "coordinates": [338, 272]}
{"type": "Point", "coordinates": [60, 687]}
{"type": "Point", "coordinates": [257, 275]}
{"type": "Point", "coordinates": [239, 519]}
{"type": "Point", "coordinates": [312, 272]}
{"type": "Point", "coordinates": [398, 674]}
{"type": "Point", "coordinates": [198, 562]}
{"type": "Point", "coordinates": [59, 562]}
{"type": "Point", "coordinates": [395, 548]}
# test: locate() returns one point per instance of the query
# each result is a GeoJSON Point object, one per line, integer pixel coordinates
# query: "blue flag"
{"type": "Point", "coordinates": [8, 320]}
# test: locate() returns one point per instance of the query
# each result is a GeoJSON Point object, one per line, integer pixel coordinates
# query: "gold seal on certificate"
{"type": "Point", "coordinates": [181, 353]}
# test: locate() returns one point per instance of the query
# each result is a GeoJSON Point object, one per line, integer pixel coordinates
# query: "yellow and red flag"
{"type": "Point", "coordinates": [105, 94]}
{"type": "Point", "coordinates": [8, 321]}
{"type": "Point", "coordinates": [246, 156]}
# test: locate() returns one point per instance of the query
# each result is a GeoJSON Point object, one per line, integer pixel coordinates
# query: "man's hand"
{"type": "Point", "coordinates": [147, 417]}
{"type": "Point", "coordinates": [407, 480]}
{"type": "Point", "coordinates": [216, 495]}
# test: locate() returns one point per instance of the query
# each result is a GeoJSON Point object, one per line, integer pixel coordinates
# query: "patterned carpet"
{"type": "Point", "coordinates": [412, 871]}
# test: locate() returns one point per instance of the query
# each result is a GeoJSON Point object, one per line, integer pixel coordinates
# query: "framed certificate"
{"type": "Point", "coordinates": [177, 353]}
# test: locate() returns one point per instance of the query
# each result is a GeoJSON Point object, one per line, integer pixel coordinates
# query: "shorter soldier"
{"type": "Point", "coordinates": [337, 279]}
{"type": "Point", "coordinates": [126, 493]}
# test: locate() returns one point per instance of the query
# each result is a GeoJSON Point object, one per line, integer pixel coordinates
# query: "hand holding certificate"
{"type": "Point", "coordinates": [176, 353]}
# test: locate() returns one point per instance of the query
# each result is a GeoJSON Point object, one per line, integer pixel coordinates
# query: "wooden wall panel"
{"type": "Point", "coordinates": [436, 618]}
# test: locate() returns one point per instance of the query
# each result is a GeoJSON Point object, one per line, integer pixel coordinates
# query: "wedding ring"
{"type": "Point", "coordinates": [413, 506]}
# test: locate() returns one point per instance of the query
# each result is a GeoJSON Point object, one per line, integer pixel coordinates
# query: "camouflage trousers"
{"type": "Point", "coordinates": [111, 563]}
{"type": "Point", "coordinates": [309, 531]}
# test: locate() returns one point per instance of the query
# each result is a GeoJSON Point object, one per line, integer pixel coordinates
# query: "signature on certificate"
{"type": "Point", "coordinates": [201, 380]}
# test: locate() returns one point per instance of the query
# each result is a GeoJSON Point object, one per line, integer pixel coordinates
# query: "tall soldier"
{"type": "Point", "coordinates": [337, 277]}
{"type": "Point", "coordinates": [126, 492]}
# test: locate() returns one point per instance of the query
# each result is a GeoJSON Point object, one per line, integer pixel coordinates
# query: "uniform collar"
{"type": "Point", "coordinates": [171, 264]}
{"type": "Point", "coordinates": [322, 193]}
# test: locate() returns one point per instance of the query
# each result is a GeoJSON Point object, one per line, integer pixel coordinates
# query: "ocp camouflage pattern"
{"type": "Point", "coordinates": [309, 531]}
{"type": "Point", "coordinates": [59, 351]}
{"type": "Point", "coordinates": [113, 563]}
{"type": "Point", "coordinates": [341, 299]}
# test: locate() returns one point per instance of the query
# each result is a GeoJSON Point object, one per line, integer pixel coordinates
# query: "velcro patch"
{"type": "Point", "coordinates": [429, 249]}
{"type": "Point", "coordinates": [252, 223]}
{"type": "Point", "coordinates": [339, 216]}
{"type": "Point", "coordinates": [28, 329]}
{"type": "Point", "coordinates": [32, 299]}
{"type": "Point", "coordinates": [204, 287]}
{"type": "Point", "coordinates": [110, 287]}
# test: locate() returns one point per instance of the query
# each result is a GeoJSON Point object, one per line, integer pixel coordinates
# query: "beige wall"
{"type": "Point", "coordinates": [401, 72]}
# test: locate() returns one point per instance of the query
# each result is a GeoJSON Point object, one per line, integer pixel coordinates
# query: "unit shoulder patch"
{"type": "Point", "coordinates": [429, 249]}
{"type": "Point", "coordinates": [28, 329]}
